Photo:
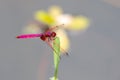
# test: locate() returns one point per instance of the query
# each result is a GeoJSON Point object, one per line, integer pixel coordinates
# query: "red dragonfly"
{"type": "Point", "coordinates": [48, 36]}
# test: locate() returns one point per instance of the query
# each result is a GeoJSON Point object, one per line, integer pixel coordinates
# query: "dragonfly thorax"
{"type": "Point", "coordinates": [46, 35]}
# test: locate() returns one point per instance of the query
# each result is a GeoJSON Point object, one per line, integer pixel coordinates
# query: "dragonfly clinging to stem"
{"type": "Point", "coordinates": [48, 36]}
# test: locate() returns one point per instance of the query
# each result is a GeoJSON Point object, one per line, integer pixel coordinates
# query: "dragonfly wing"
{"type": "Point", "coordinates": [54, 28]}
{"type": "Point", "coordinates": [62, 49]}
{"type": "Point", "coordinates": [41, 25]}
{"type": "Point", "coordinates": [47, 41]}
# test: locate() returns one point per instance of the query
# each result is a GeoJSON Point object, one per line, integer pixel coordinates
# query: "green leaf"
{"type": "Point", "coordinates": [56, 46]}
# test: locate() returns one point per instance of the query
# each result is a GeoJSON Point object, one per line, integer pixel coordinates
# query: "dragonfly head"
{"type": "Point", "coordinates": [53, 34]}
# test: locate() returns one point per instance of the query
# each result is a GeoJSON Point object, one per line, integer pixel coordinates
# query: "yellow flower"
{"type": "Point", "coordinates": [55, 16]}
{"type": "Point", "coordinates": [64, 40]}
{"type": "Point", "coordinates": [44, 17]}
{"type": "Point", "coordinates": [79, 23]}
{"type": "Point", "coordinates": [65, 19]}
{"type": "Point", "coordinates": [55, 11]}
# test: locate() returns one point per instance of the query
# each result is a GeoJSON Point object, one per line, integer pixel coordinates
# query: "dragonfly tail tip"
{"type": "Point", "coordinates": [17, 37]}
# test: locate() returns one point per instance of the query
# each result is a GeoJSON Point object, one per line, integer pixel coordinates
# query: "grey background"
{"type": "Point", "coordinates": [94, 55]}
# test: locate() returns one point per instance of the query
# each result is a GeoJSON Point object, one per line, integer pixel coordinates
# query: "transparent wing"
{"type": "Point", "coordinates": [41, 25]}
{"type": "Point", "coordinates": [47, 41]}
{"type": "Point", "coordinates": [54, 28]}
{"type": "Point", "coordinates": [44, 27]}
{"type": "Point", "coordinates": [62, 49]}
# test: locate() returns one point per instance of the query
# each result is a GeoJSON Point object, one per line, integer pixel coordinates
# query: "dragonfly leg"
{"type": "Point", "coordinates": [49, 43]}
{"type": "Point", "coordinates": [61, 48]}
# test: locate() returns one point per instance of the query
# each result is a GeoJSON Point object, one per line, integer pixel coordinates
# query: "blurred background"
{"type": "Point", "coordinates": [94, 53]}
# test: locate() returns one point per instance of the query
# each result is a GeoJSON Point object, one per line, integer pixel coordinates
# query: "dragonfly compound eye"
{"type": "Point", "coordinates": [53, 34]}
{"type": "Point", "coordinates": [43, 37]}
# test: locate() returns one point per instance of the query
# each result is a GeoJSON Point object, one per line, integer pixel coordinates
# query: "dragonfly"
{"type": "Point", "coordinates": [48, 37]}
